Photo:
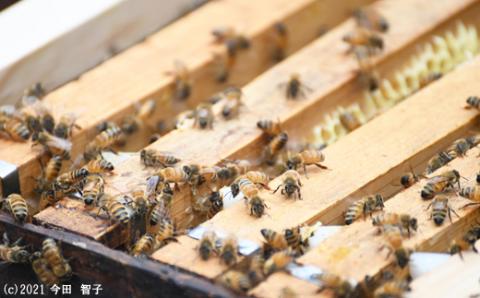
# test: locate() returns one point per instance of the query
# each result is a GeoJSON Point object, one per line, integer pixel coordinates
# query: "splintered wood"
{"type": "Point", "coordinates": [110, 91]}
{"type": "Point", "coordinates": [357, 246]}
{"type": "Point", "coordinates": [327, 193]}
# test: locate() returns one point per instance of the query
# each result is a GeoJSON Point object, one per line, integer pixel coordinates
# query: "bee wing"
{"type": "Point", "coordinates": [438, 179]}
{"type": "Point", "coordinates": [60, 143]}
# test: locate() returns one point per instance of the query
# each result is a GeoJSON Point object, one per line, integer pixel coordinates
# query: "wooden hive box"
{"type": "Point", "coordinates": [404, 123]}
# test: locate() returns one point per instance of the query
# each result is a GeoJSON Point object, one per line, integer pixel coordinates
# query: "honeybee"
{"type": "Point", "coordinates": [466, 241]}
{"type": "Point", "coordinates": [440, 183]}
{"type": "Point", "coordinates": [294, 87]}
{"type": "Point", "coordinates": [17, 206]}
{"type": "Point", "coordinates": [275, 241]}
{"type": "Point", "coordinates": [232, 98]}
{"type": "Point", "coordinates": [99, 166]}
{"type": "Point", "coordinates": [155, 158]}
{"type": "Point", "coordinates": [183, 83]}
{"type": "Point", "coordinates": [440, 209]}
{"type": "Point", "coordinates": [65, 126]}
{"type": "Point", "coordinates": [269, 127]}
{"type": "Point", "coordinates": [473, 102]}
{"type": "Point", "coordinates": [472, 193]}
{"type": "Point", "coordinates": [231, 171]}
{"type": "Point", "coordinates": [461, 146]}
{"type": "Point", "coordinates": [49, 197]}
{"type": "Point", "coordinates": [105, 125]}
{"type": "Point", "coordinates": [410, 179]}
{"type": "Point", "coordinates": [206, 175]}
{"type": "Point", "coordinates": [69, 179]}
{"type": "Point", "coordinates": [278, 261]}
{"type": "Point", "coordinates": [49, 173]}
{"type": "Point", "coordinates": [257, 206]}
{"type": "Point", "coordinates": [104, 140]}
{"type": "Point", "coordinates": [333, 282]}
{"type": "Point", "coordinates": [247, 187]}
{"type": "Point", "coordinates": [208, 206]}
{"type": "Point", "coordinates": [291, 184]}
{"type": "Point", "coordinates": [393, 286]}
{"type": "Point", "coordinates": [166, 232]}
{"type": "Point", "coordinates": [144, 246]}
{"type": "Point", "coordinates": [166, 195]}
{"type": "Point", "coordinates": [207, 245]}
{"type": "Point", "coordinates": [274, 147]}
{"type": "Point", "coordinates": [366, 205]}
{"type": "Point", "coordinates": [174, 175]}
{"type": "Point", "coordinates": [393, 236]}
{"type": "Point", "coordinates": [438, 161]}
{"type": "Point", "coordinates": [223, 66]}
{"type": "Point", "coordinates": [367, 76]}
{"type": "Point", "coordinates": [229, 35]}
{"type": "Point", "coordinates": [349, 120]}
{"type": "Point", "coordinates": [37, 116]}
{"type": "Point", "coordinates": [12, 252]}
{"type": "Point", "coordinates": [306, 158]}
{"type": "Point", "coordinates": [52, 254]}
{"type": "Point", "coordinates": [404, 221]}
{"type": "Point", "coordinates": [115, 209]}
{"type": "Point", "coordinates": [15, 129]}
{"type": "Point", "coordinates": [228, 251]}
{"type": "Point", "coordinates": [93, 188]}
{"type": "Point", "coordinates": [280, 42]}
{"type": "Point", "coordinates": [185, 119]}
{"type": "Point", "coordinates": [54, 145]}
{"type": "Point", "coordinates": [236, 280]}
{"type": "Point", "coordinates": [255, 267]}
{"type": "Point", "coordinates": [36, 90]}
{"type": "Point", "coordinates": [41, 268]}
{"type": "Point", "coordinates": [132, 123]}
{"type": "Point", "coordinates": [204, 116]}
{"type": "Point", "coordinates": [258, 177]}
{"type": "Point", "coordinates": [364, 37]}
{"type": "Point", "coordinates": [158, 212]}
{"type": "Point", "coordinates": [369, 18]}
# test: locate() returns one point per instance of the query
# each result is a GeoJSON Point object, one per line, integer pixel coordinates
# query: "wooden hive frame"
{"type": "Point", "coordinates": [240, 139]}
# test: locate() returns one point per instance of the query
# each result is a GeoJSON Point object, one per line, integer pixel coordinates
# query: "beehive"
{"type": "Point", "coordinates": [404, 124]}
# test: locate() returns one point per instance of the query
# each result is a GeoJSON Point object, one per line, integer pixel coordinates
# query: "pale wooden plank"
{"type": "Point", "coordinates": [55, 41]}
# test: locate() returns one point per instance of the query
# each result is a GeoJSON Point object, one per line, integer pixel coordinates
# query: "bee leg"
{"type": "Point", "coordinates": [454, 212]}
{"type": "Point", "coordinates": [469, 204]}
{"type": "Point", "coordinates": [277, 189]}
{"type": "Point", "coordinates": [176, 187]}
{"type": "Point", "coordinates": [6, 241]}
{"type": "Point", "coordinates": [321, 166]}
{"type": "Point", "coordinates": [428, 207]}
{"type": "Point", "coordinates": [305, 170]}
{"type": "Point", "coordinates": [299, 194]}
{"type": "Point", "coordinates": [17, 242]}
